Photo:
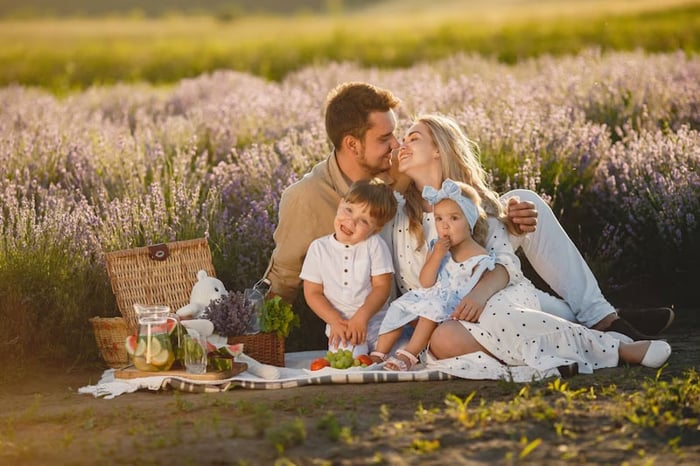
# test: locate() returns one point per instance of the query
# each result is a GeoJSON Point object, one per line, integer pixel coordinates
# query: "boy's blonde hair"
{"type": "Point", "coordinates": [378, 195]}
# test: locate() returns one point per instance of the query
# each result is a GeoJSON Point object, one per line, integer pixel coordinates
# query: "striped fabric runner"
{"type": "Point", "coordinates": [358, 377]}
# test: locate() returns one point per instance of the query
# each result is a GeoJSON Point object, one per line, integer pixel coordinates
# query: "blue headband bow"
{"type": "Point", "coordinates": [450, 190]}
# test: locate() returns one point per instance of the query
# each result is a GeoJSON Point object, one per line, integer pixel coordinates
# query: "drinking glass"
{"type": "Point", "coordinates": [195, 352]}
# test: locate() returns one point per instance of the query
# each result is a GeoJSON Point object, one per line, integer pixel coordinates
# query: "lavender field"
{"type": "Point", "coordinates": [610, 139]}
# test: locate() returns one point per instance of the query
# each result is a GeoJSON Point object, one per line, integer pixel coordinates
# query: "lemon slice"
{"type": "Point", "coordinates": [156, 346]}
{"type": "Point", "coordinates": [161, 358]}
{"type": "Point", "coordinates": [140, 364]}
{"type": "Point", "coordinates": [140, 347]}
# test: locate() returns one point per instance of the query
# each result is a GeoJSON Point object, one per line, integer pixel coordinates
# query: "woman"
{"type": "Point", "coordinates": [435, 148]}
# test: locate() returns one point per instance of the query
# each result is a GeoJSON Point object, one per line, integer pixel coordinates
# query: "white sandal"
{"type": "Point", "coordinates": [399, 364]}
{"type": "Point", "coordinates": [378, 354]}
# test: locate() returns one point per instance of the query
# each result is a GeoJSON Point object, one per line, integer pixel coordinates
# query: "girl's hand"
{"type": "Point", "coordinates": [441, 246]}
{"type": "Point", "coordinates": [468, 309]}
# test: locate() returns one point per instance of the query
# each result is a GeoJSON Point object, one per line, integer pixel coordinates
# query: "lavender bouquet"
{"type": "Point", "coordinates": [234, 314]}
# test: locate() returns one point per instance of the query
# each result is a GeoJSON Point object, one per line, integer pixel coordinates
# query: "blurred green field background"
{"type": "Point", "coordinates": [160, 8]}
{"type": "Point", "coordinates": [89, 44]}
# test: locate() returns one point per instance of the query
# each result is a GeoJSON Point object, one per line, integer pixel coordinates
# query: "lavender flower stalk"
{"type": "Point", "coordinates": [232, 315]}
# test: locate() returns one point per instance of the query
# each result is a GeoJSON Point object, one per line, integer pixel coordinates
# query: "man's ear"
{"type": "Point", "coordinates": [351, 143]}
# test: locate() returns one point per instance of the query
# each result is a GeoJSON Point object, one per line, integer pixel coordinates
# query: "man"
{"type": "Point", "coordinates": [360, 123]}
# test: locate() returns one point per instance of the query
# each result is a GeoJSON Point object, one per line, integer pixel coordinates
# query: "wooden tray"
{"type": "Point", "coordinates": [131, 373]}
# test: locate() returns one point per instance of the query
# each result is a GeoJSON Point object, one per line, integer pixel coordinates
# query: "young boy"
{"type": "Point", "coordinates": [348, 275]}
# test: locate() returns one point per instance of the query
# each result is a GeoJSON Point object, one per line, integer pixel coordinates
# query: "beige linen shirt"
{"type": "Point", "coordinates": [306, 212]}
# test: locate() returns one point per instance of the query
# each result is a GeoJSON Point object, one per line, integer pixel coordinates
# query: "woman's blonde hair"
{"type": "Point", "coordinates": [460, 161]}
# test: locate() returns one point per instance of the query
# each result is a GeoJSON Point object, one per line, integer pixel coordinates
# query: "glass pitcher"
{"type": "Point", "coordinates": [154, 351]}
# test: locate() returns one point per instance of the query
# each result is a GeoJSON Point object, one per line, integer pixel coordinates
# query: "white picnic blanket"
{"type": "Point", "coordinates": [296, 374]}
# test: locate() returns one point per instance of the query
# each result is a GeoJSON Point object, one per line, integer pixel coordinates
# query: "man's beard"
{"type": "Point", "coordinates": [372, 170]}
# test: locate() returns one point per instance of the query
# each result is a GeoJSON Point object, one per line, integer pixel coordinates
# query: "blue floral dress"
{"type": "Point", "coordinates": [454, 281]}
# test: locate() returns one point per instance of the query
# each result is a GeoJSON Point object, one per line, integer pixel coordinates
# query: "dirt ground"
{"type": "Point", "coordinates": [44, 421]}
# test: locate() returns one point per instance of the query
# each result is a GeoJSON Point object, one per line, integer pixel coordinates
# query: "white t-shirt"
{"type": "Point", "coordinates": [346, 271]}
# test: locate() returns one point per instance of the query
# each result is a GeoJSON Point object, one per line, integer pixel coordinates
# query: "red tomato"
{"type": "Point", "coordinates": [364, 359]}
{"type": "Point", "coordinates": [319, 363]}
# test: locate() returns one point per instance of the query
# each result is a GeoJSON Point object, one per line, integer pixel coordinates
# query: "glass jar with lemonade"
{"type": "Point", "coordinates": [154, 351]}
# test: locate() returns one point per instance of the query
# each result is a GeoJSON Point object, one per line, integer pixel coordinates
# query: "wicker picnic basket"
{"type": "Point", "coordinates": [165, 274]}
{"type": "Point", "coordinates": [267, 348]}
{"type": "Point", "coordinates": [158, 274]}
{"type": "Point", "coordinates": [110, 334]}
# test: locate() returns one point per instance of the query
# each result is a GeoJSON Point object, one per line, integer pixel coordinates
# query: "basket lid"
{"type": "Point", "coordinates": [167, 278]}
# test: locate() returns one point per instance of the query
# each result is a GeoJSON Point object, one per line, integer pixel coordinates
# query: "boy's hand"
{"type": "Point", "coordinates": [356, 331]}
{"type": "Point", "coordinates": [523, 214]}
{"type": "Point", "coordinates": [337, 336]}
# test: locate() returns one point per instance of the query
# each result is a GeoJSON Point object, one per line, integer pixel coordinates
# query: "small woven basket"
{"type": "Point", "coordinates": [110, 335]}
{"type": "Point", "coordinates": [158, 274]}
{"type": "Point", "coordinates": [267, 348]}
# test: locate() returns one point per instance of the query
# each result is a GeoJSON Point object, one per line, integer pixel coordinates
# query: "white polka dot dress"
{"type": "Point", "coordinates": [525, 342]}
{"type": "Point", "coordinates": [516, 333]}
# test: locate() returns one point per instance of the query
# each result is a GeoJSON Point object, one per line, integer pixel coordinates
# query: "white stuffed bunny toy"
{"type": "Point", "coordinates": [205, 290]}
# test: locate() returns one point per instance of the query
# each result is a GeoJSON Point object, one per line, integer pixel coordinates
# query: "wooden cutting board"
{"type": "Point", "coordinates": [132, 373]}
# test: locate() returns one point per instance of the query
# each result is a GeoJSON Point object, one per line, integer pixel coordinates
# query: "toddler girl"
{"type": "Point", "coordinates": [453, 266]}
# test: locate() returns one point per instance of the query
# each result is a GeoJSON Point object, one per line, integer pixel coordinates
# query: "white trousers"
{"type": "Point", "coordinates": [557, 260]}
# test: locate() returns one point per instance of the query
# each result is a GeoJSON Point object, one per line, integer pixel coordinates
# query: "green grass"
{"type": "Point", "coordinates": [647, 419]}
{"type": "Point", "coordinates": [64, 55]}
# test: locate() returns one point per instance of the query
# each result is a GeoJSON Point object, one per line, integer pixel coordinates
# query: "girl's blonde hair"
{"type": "Point", "coordinates": [460, 161]}
{"type": "Point", "coordinates": [481, 226]}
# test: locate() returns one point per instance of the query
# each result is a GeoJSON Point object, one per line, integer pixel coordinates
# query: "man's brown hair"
{"type": "Point", "coordinates": [378, 195]}
{"type": "Point", "coordinates": [348, 107]}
